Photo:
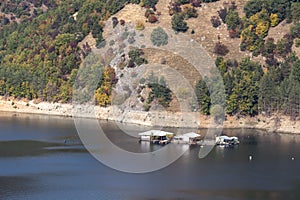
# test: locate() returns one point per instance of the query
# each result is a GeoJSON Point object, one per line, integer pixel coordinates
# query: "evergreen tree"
{"type": "Point", "coordinates": [267, 94]}
{"type": "Point", "coordinates": [203, 97]}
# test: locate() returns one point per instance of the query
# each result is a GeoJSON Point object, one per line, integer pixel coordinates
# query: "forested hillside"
{"type": "Point", "coordinates": [271, 85]}
{"type": "Point", "coordinates": [40, 52]}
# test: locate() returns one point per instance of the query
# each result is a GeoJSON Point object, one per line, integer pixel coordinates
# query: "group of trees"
{"type": "Point", "coordinates": [260, 16]}
{"type": "Point", "coordinates": [182, 10]}
{"type": "Point", "coordinates": [280, 89]}
{"type": "Point", "coordinates": [39, 57]}
{"type": "Point", "coordinates": [108, 81]}
{"type": "Point", "coordinates": [135, 58]}
{"type": "Point", "coordinates": [254, 27]}
{"type": "Point", "coordinates": [24, 9]}
{"type": "Point", "coordinates": [159, 91]}
{"type": "Point", "coordinates": [250, 91]}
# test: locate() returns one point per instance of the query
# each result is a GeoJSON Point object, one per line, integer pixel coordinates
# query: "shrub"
{"type": "Point", "coordinates": [122, 22]}
{"type": "Point", "coordinates": [115, 21]}
{"type": "Point", "coordinates": [223, 14]}
{"type": "Point", "coordinates": [139, 26]}
{"type": "Point", "coordinates": [152, 18]}
{"type": "Point", "coordinates": [232, 20]}
{"type": "Point", "coordinates": [148, 13]}
{"type": "Point", "coordinates": [220, 49]}
{"type": "Point", "coordinates": [159, 37]}
{"type": "Point", "coordinates": [196, 3]}
{"type": "Point", "coordinates": [215, 21]}
{"type": "Point", "coordinates": [135, 58]}
{"type": "Point", "coordinates": [174, 8]}
{"type": "Point", "coordinates": [190, 12]}
{"type": "Point", "coordinates": [178, 23]}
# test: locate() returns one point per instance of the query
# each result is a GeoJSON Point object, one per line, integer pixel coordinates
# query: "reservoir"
{"type": "Point", "coordinates": [42, 157]}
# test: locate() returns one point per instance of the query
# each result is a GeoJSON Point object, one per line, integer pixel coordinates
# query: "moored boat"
{"type": "Point", "coordinates": [227, 141]}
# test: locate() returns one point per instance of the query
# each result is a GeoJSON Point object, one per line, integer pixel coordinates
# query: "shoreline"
{"type": "Point", "coordinates": [153, 118]}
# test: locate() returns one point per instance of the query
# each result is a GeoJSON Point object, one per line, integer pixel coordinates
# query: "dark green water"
{"type": "Point", "coordinates": [42, 157]}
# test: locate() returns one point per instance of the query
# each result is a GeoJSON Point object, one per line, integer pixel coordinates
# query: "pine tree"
{"type": "Point", "coordinates": [203, 97]}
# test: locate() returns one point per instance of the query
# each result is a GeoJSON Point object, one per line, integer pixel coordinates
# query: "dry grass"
{"type": "Point", "coordinates": [205, 34]}
{"type": "Point", "coordinates": [174, 61]}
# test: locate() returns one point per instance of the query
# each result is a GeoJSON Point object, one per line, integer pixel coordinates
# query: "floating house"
{"type": "Point", "coordinates": [156, 137]}
{"type": "Point", "coordinates": [188, 138]}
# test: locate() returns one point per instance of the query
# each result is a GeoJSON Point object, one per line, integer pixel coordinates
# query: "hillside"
{"type": "Point", "coordinates": [255, 44]}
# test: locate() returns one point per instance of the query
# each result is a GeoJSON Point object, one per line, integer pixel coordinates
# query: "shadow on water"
{"type": "Point", "coordinates": [34, 148]}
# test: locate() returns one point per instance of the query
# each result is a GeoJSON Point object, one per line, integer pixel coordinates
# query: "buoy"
{"type": "Point", "coordinates": [250, 158]}
{"type": "Point", "coordinates": [293, 158]}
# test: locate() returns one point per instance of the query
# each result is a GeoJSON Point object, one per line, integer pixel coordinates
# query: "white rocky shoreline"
{"type": "Point", "coordinates": [153, 118]}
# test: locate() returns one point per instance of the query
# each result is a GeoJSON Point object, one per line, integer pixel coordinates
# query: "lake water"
{"type": "Point", "coordinates": [41, 157]}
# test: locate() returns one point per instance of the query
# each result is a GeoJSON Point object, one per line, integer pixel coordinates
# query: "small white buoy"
{"type": "Point", "coordinates": [250, 158]}
{"type": "Point", "coordinates": [293, 158]}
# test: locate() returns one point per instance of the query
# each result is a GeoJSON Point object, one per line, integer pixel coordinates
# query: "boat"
{"type": "Point", "coordinates": [188, 138]}
{"type": "Point", "coordinates": [227, 141]}
{"type": "Point", "coordinates": [156, 137]}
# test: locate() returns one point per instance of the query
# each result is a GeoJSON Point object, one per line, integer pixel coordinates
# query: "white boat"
{"type": "Point", "coordinates": [188, 138]}
{"type": "Point", "coordinates": [156, 137]}
{"type": "Point", "coordinates": [227, 141]}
